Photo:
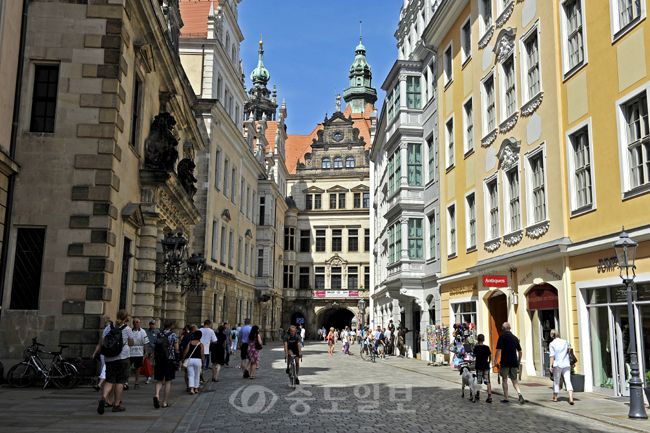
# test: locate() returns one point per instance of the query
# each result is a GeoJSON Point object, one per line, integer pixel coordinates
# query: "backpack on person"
{"type": "Point", "coordinates": [163, 347]}
{"type": "Point", "coordinates": [113, 344]}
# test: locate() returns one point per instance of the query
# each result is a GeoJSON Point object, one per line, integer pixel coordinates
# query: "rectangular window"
{"type": "Point", "coordinates": [342, 201]}
{"type": "Point", "coordinates": [309, 202]}
{"type": "Point", "coordinates": [241, 195]}
{"type": "Point", "coordinates": [493, 201]}
{"type": "Point", "coordinates": [468, 119]}
{"type": "Point", "coordinates": [231, 250]}
{"type": "Point", "coordinates": [289, 239]}
{"type": "Point", "coordinates": [319, 277]}
{"type": "Point", "coordinates": [28, 264]}
{"type": "Point", "coordinates": [629, 10]}
{"type": "Point", "coordinates": [638, 139]}
{"type": "Point", "coordinates": [217, 169]}
{"type": "Point", "coordinates": [303, 281]}
{"type": "Point", "coordinates": [413, 92]}
{"type": "Point", "coordinates": [485, 10]}
{"type": "Point", "coordinates": [448, 57]}
{"type": "Point", "coordinates": [391, 244]}
{"type": "Point", "coordinates": [215, 241]}
{"type": "Point", "coordinates": [451, 215]}
{"type": "Point", "coordinates": [391, 174]}
{"type": "Point", "coordinates": [532, 64]}
{"type": "Point", "coordinates": [396, 97]}
{"type": "Point", "coordinates": [366, 277]}
{"type": "Point", "coordinates": [335, 278]}
{"type": "Point", "coordinates": [513, 195]}
{"type": "Point", "coordinates": [248, 201]}
{"type": "Point", "coordinates": [260, 263]}
{"type": "Point", "coordinates": [262, 210]}
{"type": "Point", "coordinates": [539, 197]}
{"type": "Point", "coordinates": [252, 269]}
{"type": "Point", "coordinates": [135, 113]}
{"type": "Point", "coordinates": [414, 160]}
{"type": "Point", "coordinates": [353, 240]}
{"type": "Point", "coordinates": [317, 201]}
{"type": "Point", "coordinates": [337, 240]}
{"type": "Point", "coordinates": [288, 277]}
{"type": "Point", "coordinates": [246, 259]}
{"type": "Point", "coordinates": [471, 222]}
{"type": "Point", "coordinates": [466, 41]}
{"type": "Point", "coordinates": [389, 104]}
{"type": "Point", "coordinates": [224, 245]}
{"type": "Point", "coordinates": [233, 185]}
{"type": "Point", "coordinates": [449, 126]}
{"type": "Point", "coordinates": [490, 122]}
{"type": "Point", "coordinates": [366, 200]}
{"type": "Point", "coordinates": [574, 33]}
{"type": "Point", "coordinates": [46, 81]}
{"type": "Point", "coordinates": [432, 159]}
{"type": "Point", "coordinates": [415, 238]}
{"type": "Point", "coordinates": [581, 169]}
{"type": "Point", "coordinates": [305, 245]}
{"type": "Point", "coordinates": [353, 277]}
{"type": "Point", "coordinates": [332, 201]}
{"type": "Point", "coordinates": [240, 255]}
{"type": "Point", "coordinates": [509, 86]}
{"type": "Point", "coordinates": [357, 200]}
{"type": "Point", "coordinates": [320, 241]}
{"type": "Point", "coordinates": [432, 236]}
{"type": "Point", "coordinates": [226, 177]}
{"type": "Point", "coordinates": [395, 172]}
{"type": "Point", "coordinates": [366, 240]}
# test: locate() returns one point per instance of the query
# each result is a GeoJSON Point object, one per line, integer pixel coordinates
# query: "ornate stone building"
{"type": "Point", "coordinates": [106, 142]}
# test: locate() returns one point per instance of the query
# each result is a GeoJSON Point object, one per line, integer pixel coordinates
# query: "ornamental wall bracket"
{"type": "Point", "coordinates": [505, 44]}
{"type": "Point", "coordinates": [226, 215]}
{"type": "Point", "coordinates": [529, 107]}
{"type": "Point", "coordinates": [501, 20]}
{"type": "Point", "coordinates": [486, 37]}
{"type": "Point", "coordinates": [538, 229]}
{"type": "Point", "coordinates": [488, 139]}
{"type": "Point", "coordinates": [145, 55]}
{"type": "Point", "coordinates": [513, 238]}
{"type": "Point", "coordinates": [509, 123]}
{"type": "Point", "coordinates": [492, 245]}
{"type": "Point", "coordinates": [509, 153]}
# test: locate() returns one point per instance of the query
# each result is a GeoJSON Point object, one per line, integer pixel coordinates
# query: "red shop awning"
{"type": "Point", "coordinates": [542, 298]}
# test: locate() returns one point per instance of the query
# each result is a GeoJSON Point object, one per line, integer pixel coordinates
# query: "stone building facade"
{"type": "Point", "coordinates": [106, 142]}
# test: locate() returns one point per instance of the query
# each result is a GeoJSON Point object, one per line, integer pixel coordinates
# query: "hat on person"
{"type": "Point", "coordinates": [152, 322]}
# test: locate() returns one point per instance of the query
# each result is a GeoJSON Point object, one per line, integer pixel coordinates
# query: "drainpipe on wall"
{"type": "Point", "coordinates": [12, 148]}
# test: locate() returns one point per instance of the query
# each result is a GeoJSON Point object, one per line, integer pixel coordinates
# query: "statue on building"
{"type": "Point", "coordinates": [338, 103]}
{"type": "Point", "coordinates": [186, 176]}
{"type": "Point", "coordinates": [160, 146]}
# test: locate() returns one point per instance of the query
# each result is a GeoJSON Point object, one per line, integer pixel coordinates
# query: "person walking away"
{"type": "Point", "coordinates": [508, 348]}
{"type": "Point", "coordinates": [233, 341]}
{"type": "Point", "coordinates": [381, 346]}
{"type": "Point", "coordinates": [102, 374]}
{"type": "Point", "coordinates": [254, 341]}
{"type": "Point", "coordinates": [152, 336]}
{"type": "Point", "coordinates": [482, 355]}
{"type": "Point", "coordinates": [218, 351]}
{"type": "Point", "coordinates": [292, 346]}
{"type": "Point", "coordinates": [243, 337]}
{"type": "Point", "coordinates": [302, 335]}
{"type": "Point", "coordinates": [558, 351]}
{"type": "Point", "coordinates": [138, 350]}
{"type": "Point", "coordinates": [346, 341]}
{"type": "Point", "coordinates": [207, 337]}
{"type": "Point", "coordinates": [116, 338]}
{"type": "Point", "coordinates": [166, 353]}
{"type": "Point", "coordinates": [331, 342]}
{"type": "Point", "coordinates": [185, 341]}
{"type": "Point", "coordinates": [226, 332]}
{"type": "Point", "coordinates": [196, 357]}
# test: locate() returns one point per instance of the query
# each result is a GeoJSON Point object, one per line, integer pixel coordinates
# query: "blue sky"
{"type": "Point", "coordinates": [309, 47]}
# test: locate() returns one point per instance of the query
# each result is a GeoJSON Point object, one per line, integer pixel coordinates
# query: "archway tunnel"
{"type": "Point", "coordinates": [337, 318]}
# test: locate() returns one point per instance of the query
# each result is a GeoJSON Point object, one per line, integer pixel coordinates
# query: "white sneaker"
{"type": "Point", "coordinates": [148, 381]}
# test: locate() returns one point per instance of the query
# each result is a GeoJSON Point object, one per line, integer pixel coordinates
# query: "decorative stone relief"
{"type": "Point", "coordinates": [513, 238]}
{"type": "Point", "coordinates": [505, 44]}
{"type": "Point", "coordinates": [486, 37]}
{"type": "Point", "coordinates": [492, 245]}
{"type": "Point", "coordinates": [509, 123]}
{"type": "Point", "coordinates": [509, 153]}
{"type": "Point", "coordinates": [538, 229]}
{"type": "Point", "coordinates": [501, 20]}
{"type": "Point", "coordinates": [529, 107]}
{"type": "Point", "coordinates": [488, 139]}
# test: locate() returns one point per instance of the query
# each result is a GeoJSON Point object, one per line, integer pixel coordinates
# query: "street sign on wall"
{"type": "Point", "coordinates": [495, 281]}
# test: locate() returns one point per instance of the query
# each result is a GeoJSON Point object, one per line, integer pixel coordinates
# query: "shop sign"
{"type": "Point", "coordinates": [543, 298]}
{"type": "Point", "coordinates": [335, 293]}
{"type": "Point", "coordinates": [607, 264]}
{"type": "Point", "coordinates": [462, 290]}
{"type": "Point", "coordinates": [495, 281]}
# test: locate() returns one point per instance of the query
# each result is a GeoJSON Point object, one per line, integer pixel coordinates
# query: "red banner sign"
{"type": "Point", "coordinates": [542, 298]}
{"type": "Point", "coordinates": [335, 293]}
{"type": "Point", "coordinates": [495, 281]}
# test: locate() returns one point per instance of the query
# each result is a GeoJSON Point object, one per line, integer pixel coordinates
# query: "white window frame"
{"type": "Point", "coordinates": [564, 34]}
{"type": "Point", "coordinates": [502, 88]}
{"type": "Point", "coordinates": [468, 238]}
{"type": "Point", "coordinates": [507, 227]}
{"type": "Point", "coordinates": [525, 97]}
{"type": "Point", "coordinates": [465, 56]}
{"type": "Point", "coordinates": [627, 190]}
{"type": "Point", "coordinates": [570, 154]}
{"type": "Point", "coordinates": [450, 162]}
{"type": "Point", "coordinates": [615, 22]}
{"type": "Point", "coordinates": [214, 256]}
{"type": "Point", "coordinates": [448, 75]}
{"type": "Point", "coordinates": [484, 117]}
{"type": "Point", "coordinates": [218, 168]}
{"type": "Point", "coordinates": [486, 203]}
{"type": "Point", "coordinates": [467, 150]}
{"type": "Point", "coordinates": [501, 7]}
{"type": "Point", "coordinates": [483, 28]}
{"type": "Point", "coordinates": [530, 204]}
{"type": "Point", "coordinates": [429, 218]}
{"type": "Point", "coordinates": [454, 302]}
{"type": "Point", "coordinates": [451, 254]}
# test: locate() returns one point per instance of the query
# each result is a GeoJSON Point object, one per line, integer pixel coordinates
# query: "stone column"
{"type": "Point", "coordinates": [143, 305]}
{"type": "Point", "coordinates": [404, 227]}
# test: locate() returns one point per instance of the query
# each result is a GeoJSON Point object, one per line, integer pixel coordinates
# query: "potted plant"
{"type": "Point", "coordinates": [577, 380]}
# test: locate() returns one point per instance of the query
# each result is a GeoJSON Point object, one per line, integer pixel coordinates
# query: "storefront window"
{"type": "Point", "coordinates": [600, 347]}
{"type": "Point", "coordinates": [643, 293]}
{"type": "Point", "coordinates": [465, 312]}
{"type": "Point", "coordinates": [619, 294]}
{"type": "Point", "coordinates": [644, 316]}
{"type": "Point", "coordinates": [597, 296]}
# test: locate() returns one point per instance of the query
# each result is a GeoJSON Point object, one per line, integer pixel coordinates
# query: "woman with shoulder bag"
{"type": "Point", "coordinates": [254, 347]}
{"type": "Point", "coordinates": [330, 341]}
{"type": "Point", "coordinates": [193, 359]}
{"type": "Point", "coordinates": [560, 364]}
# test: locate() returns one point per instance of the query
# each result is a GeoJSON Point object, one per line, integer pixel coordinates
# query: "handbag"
{"type": "Point", "coordinates": [186, 361]}
{"type": "Point", "coordinates": [572, 357]}
{"type": "Point", "coordinates": [258, 346]}
{"type": "Point", "coordinates": [146, 369]}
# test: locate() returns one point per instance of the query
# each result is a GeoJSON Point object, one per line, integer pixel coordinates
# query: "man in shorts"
{"type": "Point", "coordinates": [117, 367]}
{"type": "Point", "coordinates": [482, 355]}
{"type": "Point", "coordinates": [508, 348]}
{"type": "Point", "coordinates": [243, 337]}
{"type": "Point", "coordinates": [292, 346]}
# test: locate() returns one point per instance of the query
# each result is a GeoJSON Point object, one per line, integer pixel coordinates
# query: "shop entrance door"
{"type": "Point", "coordinates": [543, 322]}
{"type": "Point", "coordinates": [622, 345]}
{"type": "Point", "coordinates": [498, 305]}
{"type": "Point", "coordinates": [416, 333]}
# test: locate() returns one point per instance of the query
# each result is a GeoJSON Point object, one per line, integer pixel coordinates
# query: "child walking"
{"type": "Point", "coordinates": [483, 356]}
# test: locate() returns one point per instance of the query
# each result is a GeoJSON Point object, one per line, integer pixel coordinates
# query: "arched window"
{"type": "Point", "coordinates": [338, 162]}
{"type": "Point", "coordinates": [349, 162]}
{"type": "Point", "coordinates": [227, 40]}
{"type": "Point", "coordinates": [325, 163]}
{"type": "Point", "coordinates": [234, 54]}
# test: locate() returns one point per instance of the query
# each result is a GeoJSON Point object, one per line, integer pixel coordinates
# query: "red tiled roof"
{"type": "Point", "coordinates": [271, 129]}
{"type": "Point", "coordinates": [194, 14]}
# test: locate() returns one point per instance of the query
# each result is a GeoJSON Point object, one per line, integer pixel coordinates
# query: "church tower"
{"type": "Point", "coordinates": [360, 93]}
{"type": "Point", "coordinates": [260, 102]}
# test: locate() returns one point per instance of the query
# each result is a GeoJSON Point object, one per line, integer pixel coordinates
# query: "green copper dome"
{"type": "Point", "coordinates": [260, 75]}
{"type": "Point", "coordinates": [360, 93]}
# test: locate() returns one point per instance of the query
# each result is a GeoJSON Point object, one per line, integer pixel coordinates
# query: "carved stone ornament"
{"type": "Point", "coordinates": [145, 56]}
{"type": "Point", "coordinates": [186, 176]}
{"type": "Point", "coordinates": [160, 146]}
{"type": "Point", "coordinates": [488, 139]}
{"type": "Point", "coordinates": [492, 245]}
{"type": "Point", "coordinates": [509, 153]}
{"type": "Point", "coordinates": [538, 229]}
{"type": "Point", "coordinates": [402, 291]}
{"type": "Point", "coordinates": [513, 238]}
{"type": "Point", "coordinates": [529, 107]}
{"type": "Point", "coordinates": [509, 123]}
{"type": "Point", "coordinates": [505, 44]}
{"type": "Point", "coordinates": [486, 37]}
{"type": "Point", "coordinates": [501, 20]}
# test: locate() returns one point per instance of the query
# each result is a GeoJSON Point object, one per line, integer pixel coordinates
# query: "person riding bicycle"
{"type": "Point", "coordinates": [292, 346]}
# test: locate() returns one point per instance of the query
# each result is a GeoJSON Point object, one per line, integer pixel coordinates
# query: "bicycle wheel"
{"type": "Point", "coordinates": [372, 355]}
{"type": "Point", "coordinates": [63, 375]}
{"type": "Point", "coordinates": [22, 375]}
{"type": "Point", "coordinates": [293, 375]}
{"type": "Point", "coordinates": [364, 353]}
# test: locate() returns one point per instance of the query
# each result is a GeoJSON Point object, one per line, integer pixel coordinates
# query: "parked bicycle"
{"type": "Point", "coordinates": [60, 373]}
{"type": "Point", "coordinates": [368, 352]}
{"type": "Point", "coordinates": [293, 376]}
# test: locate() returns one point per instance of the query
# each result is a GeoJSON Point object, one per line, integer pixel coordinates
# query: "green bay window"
{"type": "Point", "coordinates": [415, 164]}
{"type": "Point", "coordinates": [416, 238]}
{"type": "Point", "coordinates": [413, 92]}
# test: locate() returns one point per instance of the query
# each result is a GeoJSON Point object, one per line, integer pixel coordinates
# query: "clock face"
{"type": "Point", "coordinates": [338, 135]}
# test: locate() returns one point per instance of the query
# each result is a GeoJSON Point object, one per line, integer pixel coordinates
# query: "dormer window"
{"type": "Point", "coordinates": [326, 163]}
{"type": "Point", "coordinates": [349, 162]}
{"type": "Point", "coordinates": [338, 162]}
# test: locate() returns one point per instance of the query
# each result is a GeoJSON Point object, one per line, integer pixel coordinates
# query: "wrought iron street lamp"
{"type": "Point", "coordinates": [626, 253]}
{"type": "Point", "coordinates": [189, 278]}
